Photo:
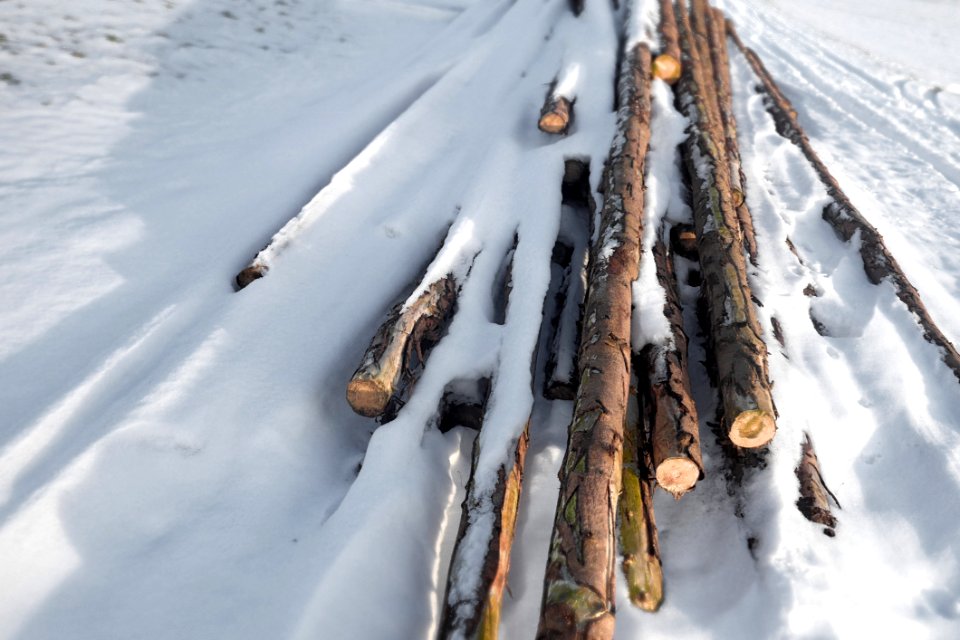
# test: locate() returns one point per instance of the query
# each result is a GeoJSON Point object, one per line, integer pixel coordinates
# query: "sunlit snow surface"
{"type": "Point", "coordinates": [178, 460]}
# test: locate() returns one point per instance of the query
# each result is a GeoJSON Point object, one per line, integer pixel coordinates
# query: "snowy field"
{"type": "Point", "coordinates": [178, 460]}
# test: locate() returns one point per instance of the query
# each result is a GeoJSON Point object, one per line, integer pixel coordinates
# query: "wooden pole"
{"type": "Point", "coordinates": [878, 263]}
{"type": "Point", "coordinates": [666, 65]}
{"type": "Point", "coordinates": [675, 431]}
{"type": "Point", "coordinates": [578, 600]}
{"type": "Point", "coordinates": [735, 335]}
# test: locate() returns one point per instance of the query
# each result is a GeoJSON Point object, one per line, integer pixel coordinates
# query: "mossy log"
{"type": "Point", "coordinates": [738, 182]}
{"type": "Point", "coordinates": [814, 502]}
{"type": "Point", "coordinates": [674, 429]}
{"type": "Point", "coordinates": [556, 113]}
{"type": "Point", "coordinates": [639, 543]}
{"type": "Point", "coordinates": [846, 220]}
{"type": "Point", "coordinates": [666, 65]}
{"type": "Point", "coordinates": [578, 600]}
{"type": "Point", "coordinates": [739, 351]}
{"type": "Point", "coordinates": [476, 615]}
{"type": "Point", "coordinates": [398, 351]}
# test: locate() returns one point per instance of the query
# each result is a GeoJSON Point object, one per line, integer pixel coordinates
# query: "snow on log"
{"type": "Point", "coordinates": [721, 71]}
{"type": "Point", "coordinates": [639, 544]}
{"type": "Point", "coordinates": [735, 335]}
{"type": "Point", "coordinates": [674, 429]}
{"type": "Point", "coordinates": [476, 614]}
{"type": "Point", "coordinates": [578, 599]}
{"type": "Point", "coordinates": [666, 65]}
{"type": "Point", "coordinates": [878, 263]}
{"type": "Point", "coordinates": [398, 349]}
{"type": "Point", "coordinates": [814, 502]}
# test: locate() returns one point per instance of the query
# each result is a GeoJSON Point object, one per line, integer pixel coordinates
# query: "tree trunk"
{"type": "Point", "coordinates": [556, 113]}
{"type": "Point", "coordinates": [578, 600]}
{"type": "Point", "coordinates": [721, 71]}
{"type": "Point", "coordinates": [814, 502]}
{"type": "Point", "coordinates": [476, 615]}
{"type": "Point", "coordinates": [878, 262]}
{"type": "Point", "coordinates": [639, 544]}
{"type": "Point", "coordinates": [675, 432]}
{"type": "Point", "coordinates": [666, 65]}
{"type": "Point", "coordinates": [735, 335]}
{"type": "Point", "coordinates": [397, 353]}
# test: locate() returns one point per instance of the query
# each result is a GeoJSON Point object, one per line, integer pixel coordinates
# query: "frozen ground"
{"type": "Point", "coordinates": [177, 460]}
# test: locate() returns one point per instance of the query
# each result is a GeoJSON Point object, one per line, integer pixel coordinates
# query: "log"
{"type": "Point", "coordinates": [556, 114]}
{"type": "Point", "coordinates": [674, 428]}
{"type": "Point", "coordinates": [683, 241]}
{"type": "Point", "coordinates": [814, 501]}
{"type": "Point", "coordinates": [639, 543]}
{"type": "Point", "coordinates": [846, 220]}
{"type": "Point", "coordinates": [476, 615]}
{"type": "Point", "coordinates": [739, 351]}
{"type": "Point", "coordinates": [398, 350]}
{"type": "Point", "coordinates": [578, 599]}
{"type": "Point", "coordinates": [463, 405]}
{"type": "Point", "coordinates": [666, 65]}
{"type": "Point", "coordinates": [738, 181]}
{"type": "Point", "coordinates": [253, 272]}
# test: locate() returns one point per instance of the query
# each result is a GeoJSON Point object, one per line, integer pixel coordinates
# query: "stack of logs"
{"type": "Point", "coordinates": [634, 423]}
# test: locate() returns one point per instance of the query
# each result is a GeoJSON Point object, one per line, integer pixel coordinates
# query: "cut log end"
{"type": "Point", "coordinates": [368, 397]}
{"type": "Point", "coordinates": [667, 68]}
{"type": "Point", "coordinates": [752, 429]}
{"type": "Point", "coordinates": [251, 273]}
{"type": "Point", "coordinates": [554, 122]}
{"type": "Point", "coordinates": [737, 197]}
{"type": "Point", "coordinates": [678, 475]}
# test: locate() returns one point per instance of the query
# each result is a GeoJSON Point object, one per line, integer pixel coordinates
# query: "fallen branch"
{"type": "Point", "coordinates": [398, 350]}
{"type": "Point", "coordinates": [878, 263]}
{"type": "Point", "coordinates": [814, 502]}
{"type": "Point", "coordinates": [735, 336]}
{"type": "Point", "coordinates": [578, 600]}
{"type": "Point", "coordinates": [674, 429]}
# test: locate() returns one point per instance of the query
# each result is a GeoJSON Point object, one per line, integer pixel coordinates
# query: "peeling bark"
{"type": "Point", "coordinates": [578, 600]}
{"type": "Point", "coordinates": [878, 263]}
{"type": "Point", "coordinates": [814, 502]}
{"type": "Point", "coordinates": [735, 336]}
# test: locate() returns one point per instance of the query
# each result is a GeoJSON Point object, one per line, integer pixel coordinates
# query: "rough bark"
{"type": "Point", "coordinates": [878, 263]}
{"type": "Point", "coordinates": [578, 600]}
{"type": "Point", "coordinates": [477, 615]}
{"type": "Point", "coordinates": [814, 502]}
{"type": "Point", "coordinates": [674, 429]}
{"type": "Point", "coordinates": [666, 65]}
{"type": "Point", "coordinates": [738, 348]}
{"type": "Point", "coordinates": [639, 544]}
{"type": "Point", "coordinates": [398, 351]}
{"type": "Point", "coordinates": [738, 181]}
{"type": "Point", "coordinates": [556, 113]}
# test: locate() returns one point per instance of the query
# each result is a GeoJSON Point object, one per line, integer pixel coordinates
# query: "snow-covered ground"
{"type": "Point", "coordinates": [177, 460]}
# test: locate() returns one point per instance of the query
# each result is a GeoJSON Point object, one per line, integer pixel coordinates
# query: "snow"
{"type": "Point", "coordinates": [178, 459]}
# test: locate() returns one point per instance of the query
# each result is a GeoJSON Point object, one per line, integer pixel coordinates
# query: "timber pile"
{"type": "Point", "coordinates": [635, 425]}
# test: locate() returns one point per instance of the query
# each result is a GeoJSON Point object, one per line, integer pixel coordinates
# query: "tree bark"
{"type": "Point", "coordinates": [878, 263]}
{"type": "Point", "coordinates": [666, 65]}
{"type": "Point", "coordinates": [738, 181]}
{"type": "Point", "coordinates": [675, 431]}
{"type": "Point", "coordinates": [578, 600]}
{"type": "Point", "coordinates": [735, 335]}
{"type": "Point", "coordinates": [398, 350]}
{"type": "Point", "coordinates": [556, 113]}
{"type": "Point", "coordinates": [476, 615]}
{"type": "Point", "coordinates": [814, 502]}
{"type": "Point", "coordinates": [639, 543]}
